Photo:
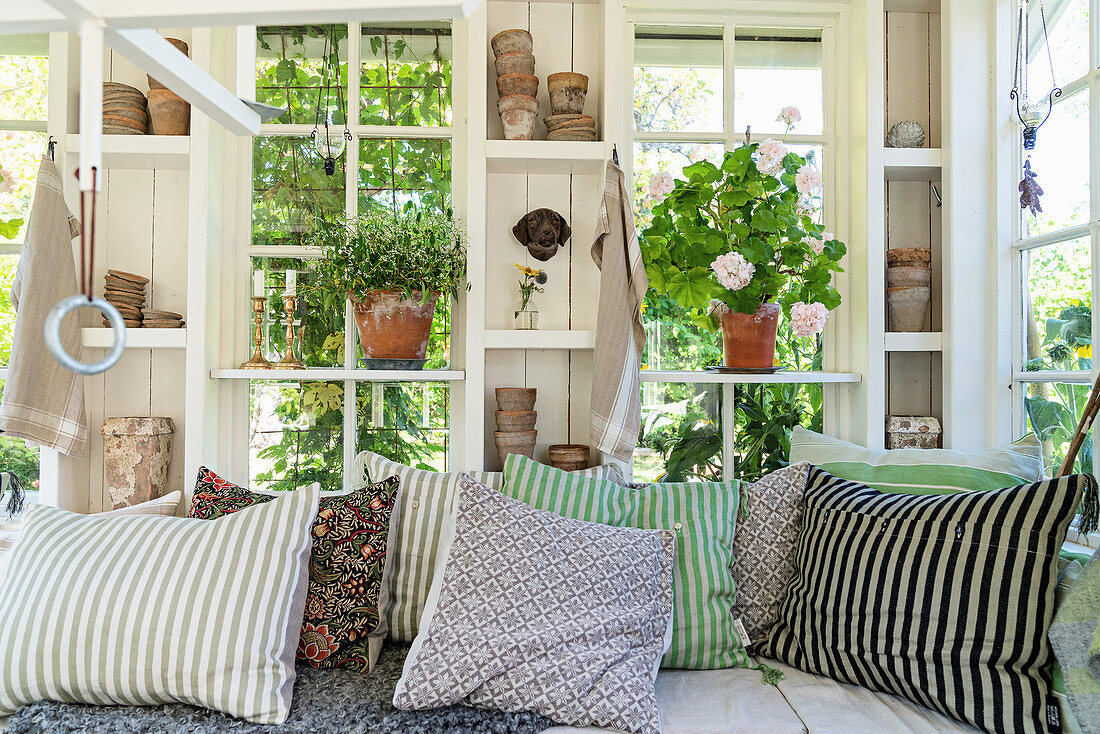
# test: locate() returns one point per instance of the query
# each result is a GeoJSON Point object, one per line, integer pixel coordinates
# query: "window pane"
{"type": "Point", "coordinates": [20, 155]}
{"type": "Point", "coordinates": [651, 159]}
{"type": "Point", "coordinates": [320, 332]}
{"type": "Point", "coordinates": [680, 438]}
{"type": "Point", "coordinates": [766, 415]}
{"type": "Point", "coordinates": [394, 172]}
{"type": "Point", "coordinates": [1058, 306]}
{"type": "Point", "coordinates": [405, 76]}
{"type": "Point", "coordinates": [20, 458]}
{"type": "Point", "coordinates": [8, 264]}
{"type": "Point", "coordinates": [1061, 164]}
{"type": "Point", "coordinates": [1068, 27]}
{"type": "Point", "coordinates": [289, 70]}
{"type": "Point", "coordinates": [296, 435]}
{"type": "Point", "coordinates": [406, 422]}
{"type": "Point", "coordinates": [774, 69]}
{"type": "Point", "coordinates": [678, 79]}
{"type": "Point", "coordinates": [290, 190]}
{"type": "Point", "coordinates": [1053, 411]}
{"type": "Point", "coordinates": [24, 75]}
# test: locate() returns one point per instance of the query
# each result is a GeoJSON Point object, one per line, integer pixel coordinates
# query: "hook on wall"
{"type": "Point", "coordinates": [615, 154]}
{"type": "Point", "coordinates": [50, 145]}
{"type": "Point", "coordinates": [936, 193]}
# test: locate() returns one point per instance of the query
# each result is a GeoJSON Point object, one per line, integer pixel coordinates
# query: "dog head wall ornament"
{"type": "Point", "coordinates": [542, 232]}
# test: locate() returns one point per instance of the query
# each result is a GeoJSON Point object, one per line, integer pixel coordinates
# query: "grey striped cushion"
{"type": "Point", "coordinates": [945, 600]}
{"type": "Point", "coordinates": [149, 610]}
{"type": "Point", "coordinates": [422, 504]}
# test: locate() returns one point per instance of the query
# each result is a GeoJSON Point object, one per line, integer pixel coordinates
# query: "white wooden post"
{"type": "Point", "coordinates": [91, 104]}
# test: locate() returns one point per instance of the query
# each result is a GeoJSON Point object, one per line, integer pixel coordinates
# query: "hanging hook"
{"type": "Point", "coordinates": [936, 193]}
{"type": "Point", "coordinates": [50, 144]}
{"type": "Point", "coordinates": [614, 154]}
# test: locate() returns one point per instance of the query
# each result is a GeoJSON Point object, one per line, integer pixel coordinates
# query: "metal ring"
{"type": "Point", "coordinates": [52, 333]}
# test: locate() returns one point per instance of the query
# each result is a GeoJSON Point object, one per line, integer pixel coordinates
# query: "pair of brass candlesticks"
{"type": "Point", "coordinates": [258, 361]}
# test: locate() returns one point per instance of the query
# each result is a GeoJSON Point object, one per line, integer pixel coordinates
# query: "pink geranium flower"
{"type": "Point", "coordinates": [807, 180]}
{"type": "Point", "coordinates": [733, 270]}
{"type": "Point", "coordinates": [808, 319]}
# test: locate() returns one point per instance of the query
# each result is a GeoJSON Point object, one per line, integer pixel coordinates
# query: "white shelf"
{"type": "Point", "coordinates": [539, 339]}
{"type": "Point", "coordinates": [913, 164]}
{"type": "Point", "coordinates": [545, 156]}
{"type": "Point", "coordinates": [329, 374]}
{"type": "Point", "coordinates": [777, 377]}
{"type": "Point", "coordinates": [141, 151]}
{"type": "Point", "coordinates": [915, 341]}
{"type": "Point", "coordinates": [103, 338]}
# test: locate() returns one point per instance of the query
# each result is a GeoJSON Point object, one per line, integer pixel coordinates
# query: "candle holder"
{"type": "Point", "coordinates": [257, 361]}
{"type": "Point", "coordinates": [289, 361]}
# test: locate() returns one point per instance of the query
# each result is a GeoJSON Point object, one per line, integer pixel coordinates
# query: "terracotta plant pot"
{"type": "Point", "coordinates": [392, 326]}
{"type": "Point", "coordinates": [908, 307]}
{"type": "Point", "coordinates": [908, 276]}
{"type": "Point", "coordinates": [567, 92]}
{"type": "Point", "coordinates": [525, 84]}
{"type": "Point", "coordinates": [518, 442]}
{"type": "Point", "coordinates": [516, 420]}
{"type": "Point", "coordinates": [515, 63]}
{"type": "Point", "coordinates": [569, 456]}
{"type": "Point", "coordinates": [516, 398]}
{"type": "Point", "coordinates": [169, 114]}
{"type": "Point", "coordinates": [512, 41]}
{"type": "Point", "coordinates": [748, 339]}
{"type": "Point", "coordinates": [182, 46]}
{"type": "Point", "coordinates": [909, 257]}
{"type": "Point", "coordinates": [517, 116]}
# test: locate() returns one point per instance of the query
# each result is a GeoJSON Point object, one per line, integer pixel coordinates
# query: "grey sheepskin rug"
{"type": "Point", "coordinates": [333, 701]}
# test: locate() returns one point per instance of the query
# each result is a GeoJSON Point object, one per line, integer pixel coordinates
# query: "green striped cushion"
{"type": "Point", "coordinates": [703, 516]}
{"type": "Point", "coordinates": [149, 610]}
{"type": "Point", "coordinates": [921, 471]}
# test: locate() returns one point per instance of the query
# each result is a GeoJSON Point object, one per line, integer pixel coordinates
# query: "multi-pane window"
{"type": "Point", "coordinates": [684, 110]}
{"type": "Point", "coordinates": [395, 84]}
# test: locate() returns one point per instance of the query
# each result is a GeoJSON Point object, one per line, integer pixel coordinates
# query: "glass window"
{"type": "Point", "coordinates": [1058, 306]}
{"type": "Point", "coordinates": [405, 76]}
{"type": "Point", "coordinates": [654, 158]}
{"type": "Point", "coordinates": [1053, 410]}
{"type": "Point", "coordinates": [1061, 164]}
{"type": "Point", "coordinates": [289, 68]}
{"type": "Point", "coordinates": [678, 80]}
{"type": "Point", "coordinates": [680, 438]}
{"type": "Point", "coordinates": [1067, 24]}
{"type": "Point", "coordinates": [296, 435]}
{"type": "Point", "coordinates": [290, 190]}
{"type": "Point", "coordinates": [774, 69]}
{"type": "Point", "coordinates": [405, 421]}
{"type": "Point", "coordinates": [394, 172]}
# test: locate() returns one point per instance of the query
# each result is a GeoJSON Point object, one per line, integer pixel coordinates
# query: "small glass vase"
{"type": "Point", "coordinates": [527, 320]}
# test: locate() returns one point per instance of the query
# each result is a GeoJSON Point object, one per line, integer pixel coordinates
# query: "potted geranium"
{"type": "Point", "coordinates": [737, 245]}
{"type": "Point", "coordinates": [393, 266]}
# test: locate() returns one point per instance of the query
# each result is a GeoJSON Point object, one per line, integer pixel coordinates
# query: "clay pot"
{"type": "Point", "coordinates": [567, 92]}
{"type": "Point", "coordinates": [908, 307]}
{"type": "Point", "coordinates": [908, 276]}
{"type": "Point", "coordinates": [518, 442]}
{"type": "Point", "coordinates": [748, 339]}
{"type": "Point", "coordinates": [392, 326]}
{"type": "Point", "coordinates": [182, 46]}
{"type": "Point", "coordinates": [515, 63]}
{"type": "Point", "coordinates": [517, 116]}
{"type": "Point", "coordinates": [516, 420]}
{"type": "Point", "coordinates": [169, 114]}
{"type": "Point", "coordinates": [909, 257]}
{"type": "Point", "coordinates": [512, 41]}
{"type": "Point", "coordinates": [569, 456]}
{"type": "Point", "coordinates": [136, 454]}
{"type": "Point", "coordinates": [516, 398]}
{"type": "Point", "coordinates": [525, 84]}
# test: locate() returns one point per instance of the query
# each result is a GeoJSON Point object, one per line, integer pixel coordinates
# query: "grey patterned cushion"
{"type": "Point", "coordinates": [531, 611]}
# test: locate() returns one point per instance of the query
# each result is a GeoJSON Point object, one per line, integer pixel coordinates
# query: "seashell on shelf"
{"type": "Point", "coordinates": [905, 134]}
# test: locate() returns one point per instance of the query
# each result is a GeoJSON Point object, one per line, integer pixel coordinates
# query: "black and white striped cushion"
{"type": "Point", "coordinates": [945, 600]}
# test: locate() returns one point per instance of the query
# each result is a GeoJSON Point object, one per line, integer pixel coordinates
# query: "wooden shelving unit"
{"type": "Point", "coordinates": [913, 164]}
{"type": "Point", "coordinates": [919, 341]}
{"type": "Point", "coordinates": [164, 152]}
{"type": "Point", "coordinates": [545, 156]}
{"type": "Point", "coordinates": [329, 374]}
{"type": "Point", "coordinates": [103, 338]}
{"type": "Point", "coordinates": [539, 339]}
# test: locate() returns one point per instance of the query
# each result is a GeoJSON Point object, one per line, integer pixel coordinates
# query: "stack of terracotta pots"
{"type": "Point", "coordinates": [516, 417]}
{"type": "Point", "coordinates": [567, 120]}
{"type": "Point", "coordinates": [169, 114]}
{"type": "Point", "coordinates": [909, 287]}
{"type": "Point", "coordinates": [517, 84]}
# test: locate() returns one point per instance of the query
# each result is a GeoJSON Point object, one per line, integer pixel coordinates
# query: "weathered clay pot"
{"type": "Point", "coordinates": [516, 420]}
{"type": "Point", "coordinates": [136, 454]}
{"type": "Point", "coordinates": [169, 114]}
{"type": "Point", "coordinates": [515, 63]}
{"type": "Point", "coordinates": [512, 41]}
{"type": "Point", "coordinates": [909, 257]}
{"type": "Point", "coordinates": [182, 46]}
{"type": "Point", "coordinates": [392, 326]}
{"type": "Point", "coordinates": [517, 116]}
{"type": "Point", "coordinates": [908, 276]}
{"type": "Point", "coordinates": [525, 84]}
{"type": "Point", "coordinates": [567, 92]}
{"type": "Point", "coordinates": [569, 456]}
{"type": "Point", "coordinates": [748, 339]}
{"type": "Point", "coordinates": [516, 398]}
{"type": "Point", "coordinates": [908, 307]}
{"type": "Point", "coordinates": [518, 442]}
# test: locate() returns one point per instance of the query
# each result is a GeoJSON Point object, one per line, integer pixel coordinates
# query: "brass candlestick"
{"type": "Point", "coordinates": [289, 361]}
{"type": "Point", "coordinates": [257, 361]}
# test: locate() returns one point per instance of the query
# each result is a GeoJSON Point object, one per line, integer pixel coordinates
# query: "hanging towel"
{"type": "Point", "coordinates": [616, 403]}
{"type": "Point", "coordinates": [44, 402]}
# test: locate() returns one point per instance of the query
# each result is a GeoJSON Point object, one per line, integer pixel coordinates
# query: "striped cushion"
{"type": "Point", "coordinates": [921, 471]}
{"type": "Point", "coordinates": [148, 610]}
{"type": "Point", "coordinates": [422, 503]}
{"type": "Point", "coordinates": [703, 515]}
{"type": "Point", "coordinates": [944, 600]}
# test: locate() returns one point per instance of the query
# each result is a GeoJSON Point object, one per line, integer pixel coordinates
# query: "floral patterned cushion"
{"type": "Point", "coordinates": [348, 569]}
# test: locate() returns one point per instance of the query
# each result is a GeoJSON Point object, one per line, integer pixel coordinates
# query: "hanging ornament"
{"type": "Point", "coordinates": [328, 140]}
{"type": "Point", "coordinates": [1031, 111]}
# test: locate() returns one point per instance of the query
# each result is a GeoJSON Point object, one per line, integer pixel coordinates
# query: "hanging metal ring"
{"type": "Point", "coordinates": [52, 334]}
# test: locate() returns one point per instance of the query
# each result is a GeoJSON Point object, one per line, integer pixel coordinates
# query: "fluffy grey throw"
{"type": "Point", "coordinates": [324, 701]}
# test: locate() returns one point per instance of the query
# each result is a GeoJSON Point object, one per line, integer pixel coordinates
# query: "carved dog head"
{"type": "Point", "coordinates": [542, 231]}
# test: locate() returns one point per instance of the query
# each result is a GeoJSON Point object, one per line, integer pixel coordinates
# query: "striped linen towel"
{"type": "Point", "coordinates": [616, 404]}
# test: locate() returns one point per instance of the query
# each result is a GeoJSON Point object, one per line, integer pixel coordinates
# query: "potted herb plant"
{"type": "Point", "coordinates": [393, 266]}
{"type": "Point", "coordinates": [737, 245]}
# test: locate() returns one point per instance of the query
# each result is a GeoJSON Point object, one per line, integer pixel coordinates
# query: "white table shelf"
{"type": "Point", "coordinates": [781, 377]}
{"type": "Point", "coordinates": [141, 151]}
{"type": "Point", "coordinates": [545, 156]}
{"type": "Point", "coordinates": [913, 164]}
{"type": "Point", "coordinates": [103, 338]}
{"type": "Point", "coordinates": [336, 374]}
{"type": "Point", "coordinates": [916, 341]}
{"type": "Point", "coordinates": [539, 339]}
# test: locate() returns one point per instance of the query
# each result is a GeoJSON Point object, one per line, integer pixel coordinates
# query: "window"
{"type": "Point", "coordinates": [396, 83]}
{"type": "Point", "coordinates": [684, 111]}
